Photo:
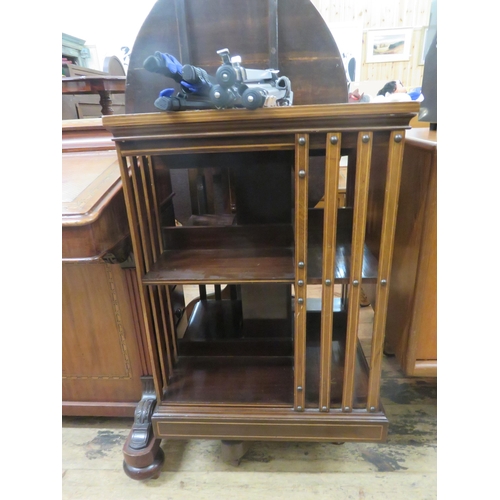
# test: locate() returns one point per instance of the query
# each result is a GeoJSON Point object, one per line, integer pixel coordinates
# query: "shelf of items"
{"type": "Point", "coordinates": [259, 359]}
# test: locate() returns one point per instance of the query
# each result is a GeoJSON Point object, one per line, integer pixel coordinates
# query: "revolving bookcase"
{"type": "Point", "coordinates": [257, 359]}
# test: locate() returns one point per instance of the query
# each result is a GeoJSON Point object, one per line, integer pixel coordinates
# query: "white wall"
{"type": "Point", "coordinates": [105, 25]}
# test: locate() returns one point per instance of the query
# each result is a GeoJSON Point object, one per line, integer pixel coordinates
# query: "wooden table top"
{"type": "Point", "coordinates": [93, 84]}
{"type": "Point", "coordinates": [89, 182]}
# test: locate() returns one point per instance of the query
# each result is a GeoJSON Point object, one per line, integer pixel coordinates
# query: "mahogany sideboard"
{"type": "Point", "coordinates": [103, 356]}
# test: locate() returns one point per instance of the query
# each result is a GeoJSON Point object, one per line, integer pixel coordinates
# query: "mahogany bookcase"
{"type": "Point", "coordinates": [256, 361]}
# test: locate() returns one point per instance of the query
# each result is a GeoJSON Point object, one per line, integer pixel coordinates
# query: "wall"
{"type": "Point", "coordinates": [108, 25]}
{"type": "Point", "coordinates": [105, 25]}
{"type": "Point", "coordinates": [363, 15]}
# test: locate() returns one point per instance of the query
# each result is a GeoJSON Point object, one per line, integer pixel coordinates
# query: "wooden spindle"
{"type": "Point", "coordinates": [301, 207]}
{"type": "Point", "coordinates": [149, 207]}
{"type": "Point", "coordinates": [393, 180]}
{"type": "Point", "coordinates": [141, 215]}
{"type": "Point", "coordinates": [126, 165]}
{"type": "Point", "coordinates": [364, 153]}
{"type": "Point", "coordinates": [332, 164]}
{"type": "Point", "coordinates": [155, 203]}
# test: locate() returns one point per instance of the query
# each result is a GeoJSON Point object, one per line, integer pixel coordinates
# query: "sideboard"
{"type": "Point", "coordinates": [103, 357]}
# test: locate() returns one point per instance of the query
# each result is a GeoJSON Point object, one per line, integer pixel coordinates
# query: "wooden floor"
{"type": "Point", "coordinates": [405, 467]}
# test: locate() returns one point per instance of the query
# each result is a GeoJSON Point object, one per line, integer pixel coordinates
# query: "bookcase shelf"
{"type": "Point", "coordinates": [225, 254]}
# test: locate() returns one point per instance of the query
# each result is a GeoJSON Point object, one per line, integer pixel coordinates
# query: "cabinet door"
{"type": "Point", "coordinates": [101, 344]}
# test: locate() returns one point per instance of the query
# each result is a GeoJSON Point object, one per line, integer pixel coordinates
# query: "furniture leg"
{"type": "Point", "coordinates": [106, 102]}
{"type": "Point", "coordinates": [232, 451]}
{"type": "Point", "coordinates": [143, 457]}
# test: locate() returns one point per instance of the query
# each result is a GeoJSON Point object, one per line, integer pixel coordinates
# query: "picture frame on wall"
{"type": "Point", "coordinates": [388, 45]}
{"type": "Point", "coordinates": [424, 46]}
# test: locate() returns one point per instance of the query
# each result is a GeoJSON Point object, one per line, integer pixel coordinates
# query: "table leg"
{"type": "Point", "coordinates": [106, 102]}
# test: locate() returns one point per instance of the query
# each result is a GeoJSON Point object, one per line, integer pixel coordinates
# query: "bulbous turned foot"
{"type": "Point", "coordinates": [151, 471]}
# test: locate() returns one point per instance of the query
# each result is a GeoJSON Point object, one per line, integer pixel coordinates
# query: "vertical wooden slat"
{"type": "Point", "coordinates": [156, 307]}
{"type": "Point", "coordinates": [208, 178]}
{"type": "Point", "coordinates": [232, 190]}
{"type": "Point", "coordinates": [344, 296]}
{"type": "Point", "coordinates": [180, 16]}
{"type": "Point", "coordinates": [273, 33]}
{"type": "Point", "coordinates": [193, 190]}
{"type": "Point", "coordinates": [332, 164]}
{"type": "Point", "coordinates": [165, 316]}
{"type": "Point", "coordinates": [168, 321]}
{"type": "Point", "coordinates": [155, 203]}
{"type": "Point", "coordinates": [364, 152]}
{"type": "Point", "coordinates": [350, 177]}
{"type": "Point", "coordinates": [141, 217]}
{"type": "Point", "coordinates": [201, 192]}
{"type": "Point", "coordinates": [393, 180]}
{"type": "Point", "coordinates": [143, 206]}
{"type": "Point", "coordinates": [173, 337]}
{"type": "Point", "coordinates": [150, 208]}
{"type": "Point", "coordinates": [301, 205]}
{"type": "Point", "coordinates": [164, 329]}
{"type": "Point", "coordinates": [164, 292]}
{"type": "Point", "coordinates": [139, 262]}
